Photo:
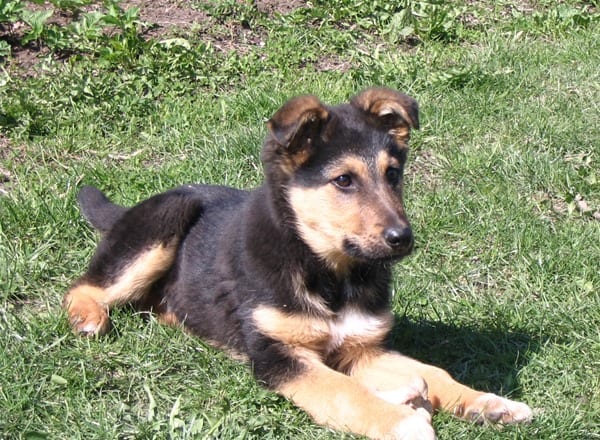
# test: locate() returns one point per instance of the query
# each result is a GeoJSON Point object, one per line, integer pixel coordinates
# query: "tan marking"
{"type": "Point", "coordinates": [326, 216]}
{"type": "Point", "coordinates": [292, 329]}
{"type": "Point", "coordinates": [168, 318]}
{"type": "Point", "coordinates": [88, 306]}
{"type": "Point", "coordinates": [349, 164]}
{"type": "Point", "coordinates": [400, 132]}
{"type": "Point", "coordinates": [391, 370]}
{"type": "Point", "coordinates": [334, 399]}
{"type": "Point", "coordinates": [383, 374]}
{"type": "Point", "coordinates": [381, 102]}
{"type": "Point", "coordinates": [287, 130]}
{"type": "Point", "coordinates": [384, 161]}
{"type": "Point", "coordinates": [232, 353]}
{"type": "Point", "coordinates": [138, 276]}
{"type": "Point", "coordinates": [290, 163]}
{"type": "Point", "coordinates": [357, 336]}
{"type": "Point", "coordinates": [324, 219]}
{"type": "Point", "coordinates": [301, 156]}
{"type": "Point", "coordinates": [389, 107]}
{"type": "Point", "coordinates": [298, 111]}
{"type": "Point", "coordinates": [413, 392]}
{"type": "Point", "coordinates": [310, 302]}
{"type": "Point", "coordinates": [354, 328]}
{"type": "Point", "coordinates": [493, 408]}
{"type": "Point", "coordinates": [402, 135]}
{"type": "Point", "coordinates": [86, 313]}
{"type": "Point", "coordinates": [345, 331]}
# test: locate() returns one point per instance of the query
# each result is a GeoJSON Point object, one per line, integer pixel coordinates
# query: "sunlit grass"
{"type": "Point", "coordinates": [502, 289]}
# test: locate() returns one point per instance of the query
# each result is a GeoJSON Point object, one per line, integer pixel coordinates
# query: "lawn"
{"type": "Point", "coordinates": [503, 190]}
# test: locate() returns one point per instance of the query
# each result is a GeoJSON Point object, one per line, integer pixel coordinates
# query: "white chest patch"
{"type": "Point", "coordinates": [354, 324]}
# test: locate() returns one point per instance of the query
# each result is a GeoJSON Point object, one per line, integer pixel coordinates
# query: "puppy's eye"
{"type": "Point", "coordinates": [393, 176]}
{"type": "Point", "coordinates": [343, 181]}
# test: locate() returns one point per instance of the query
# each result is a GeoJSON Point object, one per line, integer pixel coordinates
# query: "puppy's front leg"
{"type": "Point", "coordinates": [341, 402]}
{"type": "Point", "coordinates": [390, 370]}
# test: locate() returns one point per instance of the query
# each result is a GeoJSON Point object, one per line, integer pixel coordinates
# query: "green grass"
{"type": "Point", "coordinates": [503, 289]}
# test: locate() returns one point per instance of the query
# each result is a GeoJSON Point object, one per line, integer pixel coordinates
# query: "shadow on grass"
{"type": "Point", "coordinates": [488, 360]}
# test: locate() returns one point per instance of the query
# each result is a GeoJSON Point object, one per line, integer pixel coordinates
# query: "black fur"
{"type": "Point", "coordinates": [294, 275]}
{"type": "Point", "coordinates": [239, 250]}
{"type": "Point", "coordinates": [97, 209]}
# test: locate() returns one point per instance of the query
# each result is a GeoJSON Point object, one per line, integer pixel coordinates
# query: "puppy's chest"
{"type": "Point", "coordinates": [352, 327]}
{"type": "Point", "coordinates": [347, 328]}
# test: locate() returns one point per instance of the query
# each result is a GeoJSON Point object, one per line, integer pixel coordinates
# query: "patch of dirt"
{"type": "Point", "coordinates": [549, 205]}
{"type": "Point", "coordinates": [164, 19]}
{"type": "Point", "coordinates": [4, 145]}
{"type": "Point", "coordinates": [273, 7]}
{"type": "Point", "coordinates": [25, 57]}
{"type": "Point", "coordinates": [167, 16]}
{"type": "Point", "coordinates": [334, 64]}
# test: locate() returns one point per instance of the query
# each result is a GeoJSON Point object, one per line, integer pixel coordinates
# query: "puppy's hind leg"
{"type": "Point", "coordinates": [137, 251]}
{"type": "Point", "coordinates": [122, 281]}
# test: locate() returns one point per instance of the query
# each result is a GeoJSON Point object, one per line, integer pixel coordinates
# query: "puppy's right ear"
{"type": "Point", "coordinates": [295, 125]}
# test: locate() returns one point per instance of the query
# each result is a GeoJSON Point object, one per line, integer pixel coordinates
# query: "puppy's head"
{"type": "Point", "coordinates": [339, 170]}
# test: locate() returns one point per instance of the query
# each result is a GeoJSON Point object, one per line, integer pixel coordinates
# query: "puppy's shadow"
{"type": "Point", "coordinates": [488, 360]}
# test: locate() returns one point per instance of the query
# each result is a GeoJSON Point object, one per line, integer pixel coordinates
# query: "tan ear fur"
{"type": "Point", "coordinates": [394, 110]}
{"type": "Point", "coordinates": [299, 116]}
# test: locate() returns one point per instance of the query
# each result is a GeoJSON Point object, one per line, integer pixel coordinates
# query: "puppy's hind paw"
{"type": "Point", "coordinates": [89, 324]}
{"type": "Point", "coordinates": [87, 316]}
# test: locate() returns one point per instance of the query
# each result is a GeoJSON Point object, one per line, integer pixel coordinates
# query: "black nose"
{"type": "Point", "coordinates": [398, 237]}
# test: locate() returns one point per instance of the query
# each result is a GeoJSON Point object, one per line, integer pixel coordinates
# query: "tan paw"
{"type": "Point", "coordinates": [90, 324]}
{"type": "Point", "coordinates": [415, 427]}
{"type": "Point", "coordinates": [86, 315]}
{"type": "Point", "coordinates": [492, 408]}
{"type": "Point", "coordinates": [413, 394]}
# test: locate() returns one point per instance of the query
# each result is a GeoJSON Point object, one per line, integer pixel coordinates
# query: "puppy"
{"type": "Point", "coordinates": [293, 276]}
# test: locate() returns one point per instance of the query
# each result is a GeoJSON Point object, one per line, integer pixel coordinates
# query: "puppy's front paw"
{"type": "Point", "coordinates": [413, 394]}
{"type": "Point", "coordinates": [415, 427]}
{"type": "Point", "coordinates": [492, 408]}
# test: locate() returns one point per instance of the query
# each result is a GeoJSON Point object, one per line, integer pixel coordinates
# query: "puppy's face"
{"type": "Point", "coordinates": [341, 170]}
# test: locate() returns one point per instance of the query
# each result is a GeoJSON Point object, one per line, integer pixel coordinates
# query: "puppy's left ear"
{"type": "Point", "coordinates": [392, 110]}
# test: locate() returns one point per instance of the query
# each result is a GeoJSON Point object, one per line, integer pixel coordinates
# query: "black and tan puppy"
{"type": "Point", "coordinates": [294, 276]}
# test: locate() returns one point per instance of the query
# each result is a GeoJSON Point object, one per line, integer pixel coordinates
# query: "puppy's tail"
{"type": "Point", "coordinates": [98, 209]}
